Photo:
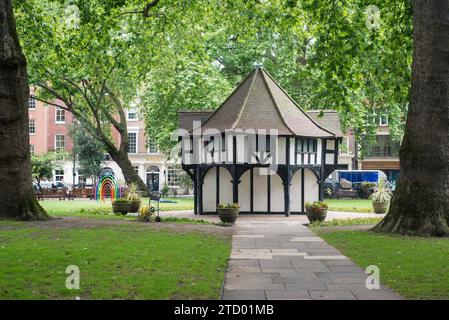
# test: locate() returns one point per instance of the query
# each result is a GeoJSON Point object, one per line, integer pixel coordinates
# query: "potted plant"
{"type": "Point", "coordinates": [120, 205]}
{"type": "Point", "coordinates": [133, 198]}
{"type": "Point", "coordinates": [228, 212]}
{"type": "Point", "coordinates": [381, 198]}
{"type": "Point", "coordinates": [145, 214]}
{"type": "Point", "coordinates": [316, 211]}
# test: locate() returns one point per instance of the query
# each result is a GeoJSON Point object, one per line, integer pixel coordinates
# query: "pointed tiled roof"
{"type": "Point", "coordinates": [259, 102]}
{"type": "Point", "coordinates": [329, 119]}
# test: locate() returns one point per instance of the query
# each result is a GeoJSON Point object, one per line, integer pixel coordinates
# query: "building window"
{"type": "Point", "coordinates": [81, 180]}
{"type": "Point", "coordinates": [60, 115]}
{"type": "Point", "coordinates": [59, 142]}
{"type": "Point", "coordinates": [136, 169]}
{"type": "Point", "coordinates": [59, 175]}
{"type": "Point", "coordinates": [31, 102]}
{"type": "Point", "coordinates": [32, 149]}
{"type": "Point", "coordinates": [173, 176]}
{"type": "Point", "coordinates": [383, 121]}
{"type": "Point", "coordinates": [32, 126]}
{"type": "Point", "coordinates": [132, 142]}
{"type": "Point", "coordinates": [344, 146]}
{"type": "Point", "coordinates": [384, 147]}
{"type": "Point", "coordinates": [259, 144]}
{"type": "Point", "coordinates": [306, 146]}
{"type": "Point", "coordinates": [152, 146]}
{"type": "Point", "coordinates": [132, 115]}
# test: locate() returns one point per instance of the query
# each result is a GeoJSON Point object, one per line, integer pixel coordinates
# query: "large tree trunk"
{"type": "Point", "coordinates": [420, 205]}
{"type": "Point", "coordinates": [130, 175]}
{"type": "Point", "coordinates": [17, 200]}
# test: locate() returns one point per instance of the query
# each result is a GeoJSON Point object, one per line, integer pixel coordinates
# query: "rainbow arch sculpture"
{"type": "Point", "coordinates": [107, 181]}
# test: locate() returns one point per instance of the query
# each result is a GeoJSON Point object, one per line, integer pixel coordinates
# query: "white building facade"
{"type": "Point", "coordinates": [258, 149]}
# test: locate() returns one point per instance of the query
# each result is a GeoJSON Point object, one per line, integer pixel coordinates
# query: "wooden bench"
{"type": "Point", "coordinates": [52, 193]}
{"type": "Point", "coordinates": [82, 193]}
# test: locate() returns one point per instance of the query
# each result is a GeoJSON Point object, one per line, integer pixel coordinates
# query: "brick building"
{"type": "Point", "coordinates": [49, 130]}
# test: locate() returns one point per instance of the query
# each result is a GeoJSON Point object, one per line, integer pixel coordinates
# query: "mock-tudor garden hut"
{"type": "Point", "coordinates": [258, 149]}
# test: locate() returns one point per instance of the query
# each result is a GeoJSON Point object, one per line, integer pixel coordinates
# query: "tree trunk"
{"type": "Point", "coordinates": [420, 205]}
{"type": "Point", "coordinates": [130, 175]}
{"type": "Point", "coordinates": [17, 199]}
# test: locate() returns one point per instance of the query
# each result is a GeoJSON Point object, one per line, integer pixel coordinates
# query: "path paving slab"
{"type": "Point", "coordinates": [285, 260]}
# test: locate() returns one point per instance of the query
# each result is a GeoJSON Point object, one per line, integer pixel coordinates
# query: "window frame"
{"type": "Point", "coordinates": [306, 145]}
{"type": "Point", "coordinates": [383, 123]}
{"type": "Point", "coordinates": [57, 173]}
{"type": "Point", "coordinates": [31, 102]}
{"type": "Point", "coordinates": [149, 141]}
{"type": "Point", "coordinates": [173, 170]}
{"type": "Point", "coordinates": [58, 109]}
{"type": "Point", "coordinates": [137, 142]}
{"type": "Point", "coordinates": [56, 142]}
{"type": "Point", "coordinates": [32, 126]}
{"type": "Point", "coordinates": [132, 111]}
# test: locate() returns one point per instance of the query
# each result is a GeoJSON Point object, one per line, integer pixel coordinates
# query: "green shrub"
{"type": "Point", "coordinates": [121, 200]}
{"type": "Point", "coordinates": [228, 206]}
{"type": "Point", "coordinates": [316, 205]}
{"type": "Point", "coordinates": [145, 213]}
{"type": "Point", "coordinates": [165, 191]}
{"type": "Point", "coordinates": [133, 193]}
{"type": "Point", "coordinates": [381, 194]}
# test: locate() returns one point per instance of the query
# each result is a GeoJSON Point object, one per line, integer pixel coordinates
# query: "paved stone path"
{"type": "Point", "coordinates": [285, 260]}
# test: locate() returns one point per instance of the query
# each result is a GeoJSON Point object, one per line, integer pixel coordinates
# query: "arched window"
{"type": "Point", "coordinates": [106, 171]}
{"type": "Point", "coordinates": [153, 169]}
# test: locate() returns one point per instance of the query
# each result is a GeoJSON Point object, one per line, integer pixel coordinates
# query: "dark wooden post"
{"type": "Point", "coordinates": [199, 190]}
{"type": "Point", "coordinates": [195, 195]}
{"type": "Point", "coordinates": [336, 151]}
{"type": "Point", "coordinates": [235, 183]}
{"type": "Point", "coordinates": [217, 185]}
{"type": "Point", "coordinates": [323, 163]}
{"type": "Point", "coordinates": [302, 190]}
{"type": "Point", "coordinates": [251, 183]}
{"type": "Point", "coordinates": [287, 180]}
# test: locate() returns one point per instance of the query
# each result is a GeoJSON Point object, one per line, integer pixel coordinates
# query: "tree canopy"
{"type": "Point", "coordinates": [42, 166]}
{"type": "Point", "coordinates": [340, 55]}
{"type": "Point", "coordinates": [88, 151]}
{"type": "Point", "coordinates": [328, 55]}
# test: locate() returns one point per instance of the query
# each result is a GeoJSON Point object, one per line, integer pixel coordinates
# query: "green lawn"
{"type": "Point", "coordinates": [350, 205]}
{"type": "Point", "coordinates": [119, 261]}
{"type": "Point", "coordinates": [81, 207]}
{"type": "Point", "coordinates": [417, 268]}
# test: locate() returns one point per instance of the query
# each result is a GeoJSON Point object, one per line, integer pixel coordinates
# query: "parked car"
{"type": "Point", "coordinates": [45, 184]}
{"type": "Point", "coordinates": [36, 187]}
{"type": "Point", "coordinates": [52, 184]}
